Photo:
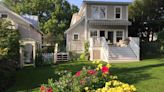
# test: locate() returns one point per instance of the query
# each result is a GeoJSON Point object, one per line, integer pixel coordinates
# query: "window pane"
{"type": "Point", "coordinates": [119, 33]}
{"type": "Point", "coordinates": [118, 39]}
{"type": "Point", "coordinates": [118, 11]}
{"type": "Point", "coordinates": [3, 15]}
{"type": "Point", "coordinates": [93, 33]}
{"type": "Point", "coordinates": [95, 12]}
{"type": "Point", "coordinates": [76, 37]}
{"type": "Point", "coordinates": [102, 12]}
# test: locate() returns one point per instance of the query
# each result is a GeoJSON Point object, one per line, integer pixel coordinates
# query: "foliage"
{"type": "Point", "coordinates": [85, 55]}
{"type": "Point", "coordinates": [6, 72]}
{"type": "Point", "coordinates": [54, 17]}
{"type": "Point", "coordinates": [161, 40]}
{"type": "Point", "coordinates": [39, 58]}
{"type": "Point", "coordinates": [147, 18]}
{"type": "Point", "coordinates": [88, 80]}
{"type": "Point", "coordinates": [9, 52]}
{"type": "Point", "coordinates": [150, 49]}
{"type": "Point", "coordinates": [9, 41]}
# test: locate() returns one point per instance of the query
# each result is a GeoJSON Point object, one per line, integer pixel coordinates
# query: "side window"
{"type": "Point", "coordinates": [93, 33]}
{"type": "Point", "coordinates": [118, 12]}
{"type": "Point", "coordinates": [3, 16]}
{"type": "Point", "coordinates": [75, 37]}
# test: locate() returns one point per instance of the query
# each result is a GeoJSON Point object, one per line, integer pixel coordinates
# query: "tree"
{"type": "Point", "coordinates": [54, 16]}
{"type": "Point", "coordinates": [9, 41]}
{"type": "Point", "coordinates": [161, 40]}
{"type": "Point", "coordinates": [147, 17]}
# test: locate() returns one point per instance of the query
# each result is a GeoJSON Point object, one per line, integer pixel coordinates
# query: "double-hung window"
{"type": "Point", "coordinates": [119, 35]}
{"type": "Point", "coordinates": [93, 33]}
{"type": "Point", "coordinates": [99, 12]}
{"type": "Point", "coordinates": [118, 11]}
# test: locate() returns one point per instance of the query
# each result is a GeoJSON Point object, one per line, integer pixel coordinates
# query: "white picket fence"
{"type": "Point", "coordinates": [48, 57]}
{"type": "Point", "coordinates": [58, 57]}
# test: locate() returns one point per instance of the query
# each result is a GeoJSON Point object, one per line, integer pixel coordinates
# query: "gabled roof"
{"type": "Point", "coordinates": [20, 17]}
{"type": "Point", "coordinates": [74, 25]}
{"type": "Point", "coordinates": [108, 1]}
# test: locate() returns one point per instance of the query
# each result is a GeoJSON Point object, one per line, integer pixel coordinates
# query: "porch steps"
{"type": "Point", "coordinates": [121, 53]}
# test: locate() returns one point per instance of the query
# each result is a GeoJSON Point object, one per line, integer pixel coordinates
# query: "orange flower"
{"type": "Point", "coordinates": [105, 69]}
{"type": "Point", "coordinates": [42, 88]}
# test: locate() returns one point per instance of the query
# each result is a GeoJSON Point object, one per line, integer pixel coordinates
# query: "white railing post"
{"type": "Point", "coordinates": [91, 48]}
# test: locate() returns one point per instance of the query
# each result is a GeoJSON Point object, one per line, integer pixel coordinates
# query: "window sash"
{"type": "Point", "coordinates": [93, 33]}
{"type": "Point", "coordinates": [75, 37]}
{"type": "Point", "coordinates": [118, 12]}
{"type": "Point", "coordinates": [99, 12]}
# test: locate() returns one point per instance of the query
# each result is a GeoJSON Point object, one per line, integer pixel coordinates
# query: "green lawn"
{"type": "Point", "coordinates": [147, 75]}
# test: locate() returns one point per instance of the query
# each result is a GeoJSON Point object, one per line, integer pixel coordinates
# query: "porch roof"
{"type": "Point", "coordinates": [110, 22]}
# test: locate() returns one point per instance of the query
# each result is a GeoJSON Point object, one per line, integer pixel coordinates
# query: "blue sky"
{"type": "Point", "coordinates": [75, 2]}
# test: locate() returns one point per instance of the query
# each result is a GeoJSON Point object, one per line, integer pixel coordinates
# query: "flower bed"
{"type": "Point", "coordinates": [88, 80]}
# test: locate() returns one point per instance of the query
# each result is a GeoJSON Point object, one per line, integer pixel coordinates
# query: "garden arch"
{"type": "Point", "coordinates": [23, 43]}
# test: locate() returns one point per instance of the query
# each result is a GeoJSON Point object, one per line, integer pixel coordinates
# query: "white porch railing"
{"type": "Point", "coordinates": [97, 43]}
{"type": "Point", "coordinates": [134, 45]}
{"type": "Point", "coordinates": [104, 50]}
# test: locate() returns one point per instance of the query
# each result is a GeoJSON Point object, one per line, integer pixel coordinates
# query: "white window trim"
{"type": "Point", "coordinates": [90, 30]}
{"type": "Point", "coordinates": [115, 12]}
{"type": "Point", "coordinates": [106, 11]}
{"type": "Point", "coordinates": [78, 37]}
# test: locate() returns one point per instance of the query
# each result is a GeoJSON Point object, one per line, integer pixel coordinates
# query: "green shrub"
{"type": "Point", "coordinates": [39, 59]}
{"type": "Point", "coordinates": [85, 55]}
{"type": "Point", "coordinates": [9, 53]}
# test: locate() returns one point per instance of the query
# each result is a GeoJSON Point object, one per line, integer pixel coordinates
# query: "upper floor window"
{"type": "Point", "coordinates": [99, 12]}
{"type": "Point", "coordinates": [118, 11]}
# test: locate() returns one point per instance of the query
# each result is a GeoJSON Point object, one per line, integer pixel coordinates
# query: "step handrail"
{"type": "Point", "coordinates": [104, 49]}
{"type": "Point", "coordinates": [134, 45]}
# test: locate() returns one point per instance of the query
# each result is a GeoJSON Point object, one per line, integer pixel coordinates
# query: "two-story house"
{"type": "Point", "coordinates": [104, 24]}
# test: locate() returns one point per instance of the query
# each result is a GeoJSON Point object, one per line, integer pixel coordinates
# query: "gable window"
{"type": "Point", "coordinates": [99, 12]}
{"type": "Point", "coordinates": [75, 37]}
{"type": "Point", "coordinates": [3, 16]}
{"type": "Point", "coordinates": [118, 12]}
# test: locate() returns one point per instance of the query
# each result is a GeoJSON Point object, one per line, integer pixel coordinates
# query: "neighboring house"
{"type": "Point", "coordinates": [104, 24]}
{"type": "Point", "coordinates": [28, 26]}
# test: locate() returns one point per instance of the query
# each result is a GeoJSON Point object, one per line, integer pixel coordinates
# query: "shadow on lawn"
{"type": "Point", "coordinates": [135, 74]}
{"type": "Point", "coordinates": [30, 78]}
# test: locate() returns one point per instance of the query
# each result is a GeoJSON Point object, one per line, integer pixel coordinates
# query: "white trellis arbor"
{"type": "Point", "coordinates": [35, 46]}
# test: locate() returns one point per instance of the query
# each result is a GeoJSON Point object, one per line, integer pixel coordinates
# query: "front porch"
{"type": "Point", "coordinates": [100, 49]}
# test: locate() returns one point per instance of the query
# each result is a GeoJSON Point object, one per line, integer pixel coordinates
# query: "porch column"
{"type": "Point", "coordinates": [34, 53]}
{"type": "Point", "coordinates": [21, 57]}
